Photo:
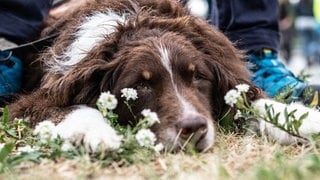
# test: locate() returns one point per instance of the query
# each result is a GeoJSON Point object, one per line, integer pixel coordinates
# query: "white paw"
{"type": "Point", "coordinates": [275, 134]}
{"type": "Point", "coordinates": [310, 125]}
{"type": "Point", "coordinates": [86, 125]}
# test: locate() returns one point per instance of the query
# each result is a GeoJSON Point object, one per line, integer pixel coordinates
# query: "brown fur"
{"type": "Point", "coordinates": [205, 66]}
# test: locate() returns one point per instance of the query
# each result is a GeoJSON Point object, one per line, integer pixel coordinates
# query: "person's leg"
{"type": "Point", "coordinates": [253, 26]}
{"type": "Point", "coordinates": [20, 21]}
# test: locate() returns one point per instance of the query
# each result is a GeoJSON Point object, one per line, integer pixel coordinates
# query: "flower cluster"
{"type": "Point", "coordinates": [150, 117]}
{"type": "Point", "coordinates": [235, 95]}
{"type": "Point", "coordinates": [129, 93]}
{"type": "Point", "coordinates": [142, 134]}
{"type": "Point", "coordinates": [242, 87]}
{"type": "Point", "coordinates": [107, 101]}
{"type": "Point", "coordinates": [237, 98]}
{"type": "Point", "coordinates": [232, 97]}
{"type": "Point", "coordinates": [145, 138]}
{"type": "Point", "coordinates": [27, 149]}
{"type": "Point", "coordinates": [46, 131]}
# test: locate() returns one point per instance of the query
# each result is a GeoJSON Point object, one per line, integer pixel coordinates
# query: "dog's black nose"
{"type": "Point", "coordinates": [193, 126]}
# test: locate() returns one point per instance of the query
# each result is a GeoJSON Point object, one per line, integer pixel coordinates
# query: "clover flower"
{"type": "Point", "coordinates": [107, 101]}
{"type": "Point", "coordinates": [129, 93]}
{"type": "Point", "coordinates": [150, 117]}
{"type": "Point", "coordinates": [27, 149]}
{"type": "Point", "coordinates": [159, 147]}
{"type": "Point", "coordinates": [67, 146]}
{"type": "Point", "coordinates": [232, 97]}
{"type": "Point", "coordinates": [145, 138]}
{"type": "Point", "coordinates": [243, 87]}
{"type": "Point", "coordinates": [46, 131]}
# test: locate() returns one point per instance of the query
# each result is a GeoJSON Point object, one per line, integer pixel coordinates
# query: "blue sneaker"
{"type": "Point", "coordinates": [10, 74]}
{"type": "Point", "coordinates": [273, 77]}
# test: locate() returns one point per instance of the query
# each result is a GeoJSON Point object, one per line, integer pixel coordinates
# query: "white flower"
{"type": "Point", "coordinates": [2, 146]}
{"type": "Point", "coordinates": [238, 114]}
{"type": "Point", "coordinates": [150, 116]}
{"type": "Point", "coordinates": [159, 147]}
{"type": "Point", "coordinates": [27, 149]}
{"type": "Point", "coordinates": [45, 130]}
{"type": "Point", "coordinates": [232, 97]}
{"type": "Point", "coordinates": [66, 146]}
{"type": "Point", "coordinates": [129, 93]}
{"type": "Point", "coordinates": [108, 100]}
{"type": "Point", "coordinates": [146, 138]}
{"type": "Point", "coordinates": [243, 87]}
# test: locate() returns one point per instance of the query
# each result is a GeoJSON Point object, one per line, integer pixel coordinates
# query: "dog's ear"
{"type": "Point", "coordinates": [224, 80]}
{"type": "Point", "coordinates": [84, 83]}
{"type": "Point", "coordinates": [227, 62]}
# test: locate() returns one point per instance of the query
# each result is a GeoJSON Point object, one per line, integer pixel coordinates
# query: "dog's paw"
{"type": "Point", "coordinates": [310, 124]}
{"type": "Point", "coordinates": [86, 125]}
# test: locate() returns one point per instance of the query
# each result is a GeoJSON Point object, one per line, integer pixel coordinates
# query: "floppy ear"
{"type": "Point", "coordinates": [84, 83]}
{"type": "Point", "coordinates": [225, 80]}
{"type": "Point", "coordinates": [226, 62]}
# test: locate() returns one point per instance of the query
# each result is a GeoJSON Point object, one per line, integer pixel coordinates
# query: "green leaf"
{"type": "Point", "coordinates": [33, 156]}
{"type": "Point", "coordinates": [11, 132]}
{"type": "Point", "coordinates": [5, 151]}
{"type": "Point", "coordinates": [275, 119]}
{"type": "Point", "coordinates": [303, 116]}
{"type": "Point", "coordinates": [5, 116]}
{"type": "Point", "coordinates": [296, 125]}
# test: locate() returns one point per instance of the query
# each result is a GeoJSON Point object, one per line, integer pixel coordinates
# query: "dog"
{"type": "Point", "coordinates": [179, 64]}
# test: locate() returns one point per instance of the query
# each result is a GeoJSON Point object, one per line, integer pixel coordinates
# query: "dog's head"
{"type": "Point", "coordinates": [181, 68]}
{"type": "Point", "coordinates": [172, 79]}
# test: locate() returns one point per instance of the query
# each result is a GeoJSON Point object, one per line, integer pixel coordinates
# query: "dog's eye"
{"type": "Point", "coordinates": [199, 76]}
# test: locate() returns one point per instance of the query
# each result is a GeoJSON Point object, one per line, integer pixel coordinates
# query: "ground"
{"type": "Point", "coordinates": [233, 157]}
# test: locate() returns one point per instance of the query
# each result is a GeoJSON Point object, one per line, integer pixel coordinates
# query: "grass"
{"type": "Point", "coordinates": [233, 157]}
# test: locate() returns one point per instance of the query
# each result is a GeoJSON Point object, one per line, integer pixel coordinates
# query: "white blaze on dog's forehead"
{"type": "Point", "coordinates": [93, 30]}
{"type": "Point", "coordinates": [164, 56]}
{"type": "Point", "coordinates": [187, 108]}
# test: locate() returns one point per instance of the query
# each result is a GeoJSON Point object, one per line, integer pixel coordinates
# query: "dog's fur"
{"type": "Point", "coordinates": [180, 66]}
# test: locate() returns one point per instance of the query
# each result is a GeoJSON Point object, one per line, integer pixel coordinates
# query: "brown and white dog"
{"type": "Point", "coordinates": [180, 66]}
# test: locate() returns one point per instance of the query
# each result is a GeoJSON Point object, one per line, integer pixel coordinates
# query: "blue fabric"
{"type": "Point", "coordinates": [252, 24]}
{"type": "Point", "coordinates": [20, 19]}
{"type": "Point", "coordinates": [273, 77]}
{"type": "Point", "coordinates": [10, 74]}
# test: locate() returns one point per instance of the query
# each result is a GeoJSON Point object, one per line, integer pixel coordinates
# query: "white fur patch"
{"type": "Point", "coordinates": [88, 125]}
{"type": "Point", "coordinates": [94, 29]}
{"type": "Point", "coordinates": [309, 126]}
{"type": "Point", "coordinates": [164, 56]}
